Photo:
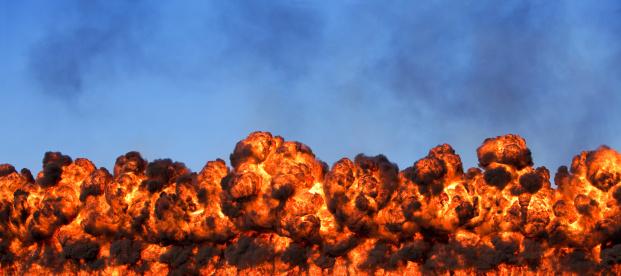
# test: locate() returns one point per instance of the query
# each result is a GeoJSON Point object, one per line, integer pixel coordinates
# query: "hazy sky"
{"type": "Point", "coordinates": [187, 80]}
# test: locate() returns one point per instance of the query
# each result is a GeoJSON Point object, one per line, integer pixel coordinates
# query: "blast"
{"type": "Point", "coordinates": [280, 210]}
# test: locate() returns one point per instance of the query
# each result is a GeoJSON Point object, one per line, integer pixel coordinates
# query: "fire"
{"type": "Point", "coordinates": [280, 210]}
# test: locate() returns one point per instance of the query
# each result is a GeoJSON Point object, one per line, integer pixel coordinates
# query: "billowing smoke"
{"type": "Point", "coordinates": [348, 77]}
{"type": "Point", "coordinates": [280, 210]}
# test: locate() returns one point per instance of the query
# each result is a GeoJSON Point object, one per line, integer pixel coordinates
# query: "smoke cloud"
{"type": "Point", "coordinates": [183, 80]}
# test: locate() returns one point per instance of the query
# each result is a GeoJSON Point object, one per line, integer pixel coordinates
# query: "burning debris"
{"type": "Point", "coordinates": [280, 210]}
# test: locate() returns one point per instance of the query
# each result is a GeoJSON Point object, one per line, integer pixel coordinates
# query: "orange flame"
{"type": "Point", "coordinates": [280, 210]}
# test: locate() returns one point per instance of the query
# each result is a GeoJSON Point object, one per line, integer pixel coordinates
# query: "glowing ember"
{"type": "Point", "coordinates": [280, 210]}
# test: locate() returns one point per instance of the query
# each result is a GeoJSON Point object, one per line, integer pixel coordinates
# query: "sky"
{"type": "Point", "coordinates": [186, 80]}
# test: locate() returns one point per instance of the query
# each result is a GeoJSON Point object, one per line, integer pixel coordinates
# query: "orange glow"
{"type": "Point", "coordinates": [280, 210]}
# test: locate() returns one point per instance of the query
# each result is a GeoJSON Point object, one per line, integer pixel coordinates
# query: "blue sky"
{"type": "Point", "coordinates": [188, 79]}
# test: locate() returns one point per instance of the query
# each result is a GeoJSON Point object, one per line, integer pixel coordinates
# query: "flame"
{"type": "Point", "coordinates": [280, 210]}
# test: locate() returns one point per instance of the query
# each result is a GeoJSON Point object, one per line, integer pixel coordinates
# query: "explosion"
{"type": "Point", "coordinates": [280, 210]}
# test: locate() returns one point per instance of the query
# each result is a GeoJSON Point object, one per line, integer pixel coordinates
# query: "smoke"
{"type": "Point", "coordinates": [91, 37]}
{"type": "Point", "coordinates": [343, 77]}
